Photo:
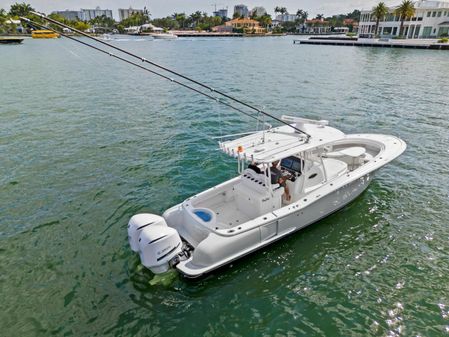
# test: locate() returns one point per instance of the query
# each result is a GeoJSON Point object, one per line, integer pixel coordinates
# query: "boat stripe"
{"type": "Point", "coordinates": [168, 253]}
{"type": "Point", "coordinates": [163, 236]}
{"type": "Point", "coordinates": [139, 228]}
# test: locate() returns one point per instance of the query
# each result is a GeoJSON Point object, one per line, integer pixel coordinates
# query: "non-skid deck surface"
{"type": "Point", "coordinates": [228, 215]}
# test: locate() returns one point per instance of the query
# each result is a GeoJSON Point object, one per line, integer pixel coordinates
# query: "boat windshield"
{"type": "Point", "coordinates": [292, 164]}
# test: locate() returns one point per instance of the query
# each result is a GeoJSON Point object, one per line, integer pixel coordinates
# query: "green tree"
{"type": "Point", "coordinates": [166, 23]}
{"type": "Point", "coordinates": [136, 19]}
{"type": "Point", "coordinates": [103, 21]}
{"type": "Point", "coordinates": [405, 11]}
{"type": "Point", "coordinates": [80, 25]}
{"type": "Point", "coordinates": [277, 9]}
{"type": "Point", "coordinates": [355, 15]}
{"type": "Point", "coordinates": [180, 18]}
{"type": "Point", "coordinates": [196, 17]}
{"type": "Point", "coordinates": [3, 16]}
{"type": "Point", "coordinates": [264, 20]}
{"type": "Point", "coordinates": [379, 13]}
{"type": "Point", "coordinates": [20, 9]}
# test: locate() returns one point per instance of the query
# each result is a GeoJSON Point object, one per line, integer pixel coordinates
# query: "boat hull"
{"type": "Point", "coordinates": [216, 251]}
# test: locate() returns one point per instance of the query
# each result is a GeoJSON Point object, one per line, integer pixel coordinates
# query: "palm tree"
{"type": "Point", "coordinates": [405, 11]}
{"type": "Point", "coordinates": [299, 14]}
{"type": "Point", "coordinates": [277, 9]}
{"type": "Point", "coordinates": [21, 9]}
{"type": "Point", "coordinates": [379, 12]}
{"type": "Point", "coordinates": [283, 10]}
{"type": "Point", "coordinates": [2, 18]}
{"type": "Point", "coordinates": [320, 16]}
{"type": "Point", "coordinates": [265, 20]}
{"type": "Point", "coordinates": [305, 15]}
{"type": "Point", "coordinates": [180, 18]}
{"type": "Point", "coordinates": [196, 17]}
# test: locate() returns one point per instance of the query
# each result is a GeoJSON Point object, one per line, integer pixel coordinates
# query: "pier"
{"type": "Point", "coordinates": [10, 40]}
{"type": "Point", "coordinates": [412, 44]}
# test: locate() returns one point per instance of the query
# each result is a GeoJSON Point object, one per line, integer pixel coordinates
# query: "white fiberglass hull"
{"type": "Point", "coordinates": [235, 247]}
{"type": "Point", "coordinates": [164, 36]}
{"type": "Point", "coordinates": [221, 247]}
{"type": "Point", "coordinates": [242, 215]}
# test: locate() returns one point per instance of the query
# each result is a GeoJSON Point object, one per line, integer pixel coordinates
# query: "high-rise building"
{"type": "Point", "coordinates": [258, 11]}
{"type": "Point", "coordinates": [89, 14]}
{"type": "Point", "coordinates": [222, 13]}
{"type": "Point", "coordinates": [124, 13]}
{"type": "Point", "coordinates": [70, 15]}
{"type": "Point", "coordinates": [241, 10]}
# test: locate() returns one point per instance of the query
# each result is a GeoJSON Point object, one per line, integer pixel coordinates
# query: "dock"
{"type": "Point", "coordinates": [412, 44]}
{"type": "Point", "coordinates": [10, 40]}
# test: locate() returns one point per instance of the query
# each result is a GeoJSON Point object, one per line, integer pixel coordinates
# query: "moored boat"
{"type": "Point", "coordinates": [164, 36]}
{"type": "Point", "coordinates": [319, 174]}
{"type": "Point", "coordinates": [10, 40]}
{"type": "Point", "coordinates": [289, 177]}
{"type": "Point", "coordinates": [44, 34]}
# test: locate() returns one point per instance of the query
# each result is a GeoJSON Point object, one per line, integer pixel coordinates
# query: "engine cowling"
{"type": "Point", "coordinates": [155, 242]}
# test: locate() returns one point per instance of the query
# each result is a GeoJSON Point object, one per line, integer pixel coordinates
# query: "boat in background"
{"type": "Point", "coordinates": [44, 34]}
{"type": "Point", "coordinates": [10, 40]}
{"type": "Point", "coordinates": [164, 36]}
{"type": "Point", "coordinates": [321, 170]}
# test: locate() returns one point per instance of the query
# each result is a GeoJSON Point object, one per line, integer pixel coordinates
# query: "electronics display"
{"type": "Point", "coordinates": [292, 164]}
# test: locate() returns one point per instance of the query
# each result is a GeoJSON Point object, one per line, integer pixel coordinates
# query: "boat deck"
{"type": "Point", "coordinates": [227, 213]}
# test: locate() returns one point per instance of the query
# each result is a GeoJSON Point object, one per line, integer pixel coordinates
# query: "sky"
{"type": "Point", "coordinates": [161, 8]}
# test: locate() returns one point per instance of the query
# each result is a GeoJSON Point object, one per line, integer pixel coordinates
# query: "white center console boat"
{"type": "Point", "coordinates": [321, 173]}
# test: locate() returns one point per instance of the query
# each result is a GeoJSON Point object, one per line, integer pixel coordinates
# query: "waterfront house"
{"type": "Point", "coordinates": [431, 20]}
{"type": "Point", "coordinates": [248, 26]}
{"type": "Point", "coordinates": [222, 29]}
{"type": "Point", "coordinates": [317, 26]}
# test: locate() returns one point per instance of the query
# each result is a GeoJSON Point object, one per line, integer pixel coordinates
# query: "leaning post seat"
{"type": "Point", "coordinates": [253, 197]}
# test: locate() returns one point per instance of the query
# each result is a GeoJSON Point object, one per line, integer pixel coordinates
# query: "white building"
{"type": "Point", "coordinates": [89, 14]}
{"type": "Point", "coordinates": [222, 13]}
{"type": "Point", "coordinates": [258, 11]}
{"type": "Point", "coordinates": [124, 13]}
{"type": "Point", "coordinates": [70, 15]}
{"type": "Point", "coordinates": [431, 20]}
{"type": "Point", "coordinates": [241, 10]}
{"type": "Point", "coordinates": [286, 17]}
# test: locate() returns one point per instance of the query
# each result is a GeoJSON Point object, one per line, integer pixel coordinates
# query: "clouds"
{"type": "Point", "coordinates": [159, 8]}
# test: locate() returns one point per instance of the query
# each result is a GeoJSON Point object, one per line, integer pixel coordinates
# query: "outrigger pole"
{"type": "Point", "coordinates": [144, 68]}
{"type": "Point", "coordinates": [60, 24]}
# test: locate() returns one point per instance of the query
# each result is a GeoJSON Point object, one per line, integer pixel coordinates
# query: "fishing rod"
{"type": "Point", "coordinates": [147, 69]}
{"type": "Point", "coordinates": [60, 24]}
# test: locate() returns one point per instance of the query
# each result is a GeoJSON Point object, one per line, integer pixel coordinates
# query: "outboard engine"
{"type": "Point", "coordinates": [156, 243]}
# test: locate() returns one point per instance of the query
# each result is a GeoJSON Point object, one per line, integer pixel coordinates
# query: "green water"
{"type": "Point", "coordinates": [86, 142]}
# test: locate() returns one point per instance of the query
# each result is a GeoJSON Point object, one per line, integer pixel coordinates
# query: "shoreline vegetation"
{"type": "Point", "coordinates": [197, 23]}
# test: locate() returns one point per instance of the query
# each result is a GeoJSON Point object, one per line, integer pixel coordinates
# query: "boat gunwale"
{"type": "Point", "coordinates": [315, 195]}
